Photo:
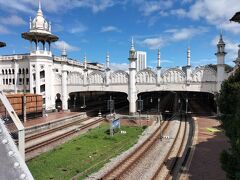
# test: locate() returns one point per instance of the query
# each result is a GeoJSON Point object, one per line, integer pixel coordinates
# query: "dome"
{"type": "Point", "coordinates": [39, 23]}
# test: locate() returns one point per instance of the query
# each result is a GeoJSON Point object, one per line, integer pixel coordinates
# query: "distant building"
{"type": "Point", "coordinates": [141, 60]}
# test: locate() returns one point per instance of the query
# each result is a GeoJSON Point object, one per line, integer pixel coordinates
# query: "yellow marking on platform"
{"type": "Point", "coordinates": [213, 130]}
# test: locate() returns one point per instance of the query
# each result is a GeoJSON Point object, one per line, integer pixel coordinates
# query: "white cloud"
{"type": "Point", "coordinates": [62, 44]}
{"type": "Point", "coordinates": [149, 7]}
{"type": "Point", "coordinates": [153, 43]}
{"type": "Point", "coordinates": [12, 20]}
{"type": "Point", "coordinates": [4, 30]}
{"type": "Point", "coordinates": [119, 66]}
{"type": "Point", "coordinates": [17, 5]}
{"type": "Point", "coordinates": [171, 35]}
{"type": "Point", "coordinates": [110, 29]}
{"type": "Point", "coordinates": [80, 28]}
{"type": "Point", "coordinates": [216, 12]}
{"type": "Point", "coordinates": [185, 33]}
{"type": "Point", "coordinates": [30, 6]}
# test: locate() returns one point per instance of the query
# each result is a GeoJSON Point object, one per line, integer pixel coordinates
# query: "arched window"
{"type": "Point", "coordinates": [23, 71]}
{"type": "Point", "coordinates": [27, 71]}
{"type": "Point", "coordinates": [10, 72]}
{"type": "Point", "coordinates": [6, 72]}
{"type": "Point", "coordinates": [3, 72]}
{"type": "Point", "coordinates": [20, 71]}
{"type": "Point", "coordinates": [13, 71]}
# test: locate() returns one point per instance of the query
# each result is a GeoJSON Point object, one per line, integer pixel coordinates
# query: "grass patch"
{"type": "Point", "coordinates": [83, 155]}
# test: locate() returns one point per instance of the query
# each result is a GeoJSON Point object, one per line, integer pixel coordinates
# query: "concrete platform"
{"type": "Point", "coordinates": [205, 163]}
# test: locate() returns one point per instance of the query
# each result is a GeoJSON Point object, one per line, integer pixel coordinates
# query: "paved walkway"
{"type": "Point", "coordinates": [205, 164]}
{"type": "Point", "coordinates": [49, 118]}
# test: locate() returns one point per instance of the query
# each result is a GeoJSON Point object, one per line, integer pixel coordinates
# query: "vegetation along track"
{"type": "Point", "coordinates": [64, 135]}
{"type": "Point", "coordinates": [132, 158]}
{"type": "Point", "coordinates": [174, 156]}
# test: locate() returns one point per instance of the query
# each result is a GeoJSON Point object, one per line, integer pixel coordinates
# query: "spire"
{"type": "Point", "coordinates": [39, 5]}
{"type": "Point", "coordinates": [85, 62]}
{"type": "Point", "coordinates": [221, 45]}
{"type": "Point", "coordinates": [64, 50]}
{"type": "Point", "coordinates": [188, 56]}
{"type": "Point", "coordinates": [39, 13]}
{"type": "Point", "coordinates": [132, 52]}
{"type": "Point", "coordinates": [107, 61]}
{"type": "Point", "coordinates": [159, 59]}
{"type": "Point", "coordinates": [132, 45]}
{"type": "Point", "coordinates": [30, 23]}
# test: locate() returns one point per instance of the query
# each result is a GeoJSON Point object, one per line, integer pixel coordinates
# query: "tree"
{"type": "Point", "coordinates": [229, 105]}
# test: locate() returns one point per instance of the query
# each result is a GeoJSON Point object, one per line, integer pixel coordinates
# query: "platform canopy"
{"type": "Point", "coordinates": [236, 17]}
{"type": "Point", "coordinates": [2, 44]}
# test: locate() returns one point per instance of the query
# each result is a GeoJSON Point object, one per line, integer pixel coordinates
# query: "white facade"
{"type": "Point", "coordinates": [42, 73]}
{"type": "Point", "coordinates": [141, 60]}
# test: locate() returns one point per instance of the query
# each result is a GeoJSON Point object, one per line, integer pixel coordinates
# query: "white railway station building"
{"type": "Point", "coordinates": [41, 72]}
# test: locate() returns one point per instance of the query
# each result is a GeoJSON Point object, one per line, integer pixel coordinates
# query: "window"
{"type": "Point", "coordinates": [42, 74]}
{"type": "Point", "coordinates": [13, 80]}
{"type": "Point", "coordinates": [10, 81]}
{"type": "Point", "coordinates": [34, 77]}
{"type": "Point", "coordinates": [27, 71]}
{"type": "Point", "coordinates": [27, 81]}
{"type": "Point", "coordinates": [23, 71]}
{"type": "Point", "coordinates": [20, 71]}
{"type": "Point", "coordinates": [6, 81]}
{"type": "Point", "coordinates": [3, 81]}
{"type": "Point", "coordinates": [13, 71]}
{"type": "Point", "coordinates": [42, 88]}
{"type": "Point", "coordinates": [6, 72]}
{"type": "Point", "coordinates": [20, 81]}
{"type": "Point", "coordinates": [3, 72]}
{"type": "Point", "coordinates": [10, 72]}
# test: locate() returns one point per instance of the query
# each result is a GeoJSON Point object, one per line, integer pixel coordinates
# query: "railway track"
{"type": "Point", "coordinates": [64, 135]}
{"type": "Point", "coordinates": [50, 131]}
{"type": "Point", "coordinates": [135, 156]}
{"type": "Point", "coordinates": [168, 169]}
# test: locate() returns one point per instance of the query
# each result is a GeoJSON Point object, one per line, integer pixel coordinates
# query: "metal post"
{"type": "Point", "coordinates": [21, 142]}
{"type": "Point", "coordinates": [186, 105]}
{"type": "Point", "coordinates": [159, 100]}
{"type": "Point", "coordinates": [24, 108]}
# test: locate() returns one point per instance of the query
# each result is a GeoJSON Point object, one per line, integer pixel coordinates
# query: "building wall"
{"type": "Point", "coordinates": [141, 60]}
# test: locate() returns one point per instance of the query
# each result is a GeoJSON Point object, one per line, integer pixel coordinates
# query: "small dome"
{"type": "Point", "coordinates": [39, 23]}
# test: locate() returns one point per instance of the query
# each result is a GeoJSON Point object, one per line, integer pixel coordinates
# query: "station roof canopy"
{"type": "Point", "coordinates": [236, 17]}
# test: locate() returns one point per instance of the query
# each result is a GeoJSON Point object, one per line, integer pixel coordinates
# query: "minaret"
{"type": "Point", "coordinates": [64, 51]}
{"type": "Point", "coordinates": [107, 69]}
{"type": "Point", "coordinates": [85, 70]}
{"type": "Point", "coordinates": [188, 56]}
{"type": "Point", "coordinates": [188, 67]}
{"type": "Point", "coordinates": [237, 61]}
{"type": "Point", "coordinates": [220, 62]}
{"type": "Point", "coordinates": [40, 33]}
{"type": "Point", "coordinates": [132, 92]}
{"type": "Point", "coordinates": [158, 68]}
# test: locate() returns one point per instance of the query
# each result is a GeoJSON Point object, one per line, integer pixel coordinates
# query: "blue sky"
{"type": "Point", "coordinates": [97, 26]}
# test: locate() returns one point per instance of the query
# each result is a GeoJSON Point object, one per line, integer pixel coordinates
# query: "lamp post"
{"type": "Point", "coordinates": [140, 108]}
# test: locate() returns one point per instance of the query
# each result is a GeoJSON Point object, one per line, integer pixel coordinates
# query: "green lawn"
{"type": "Point", "coordinates": [83, 155]}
